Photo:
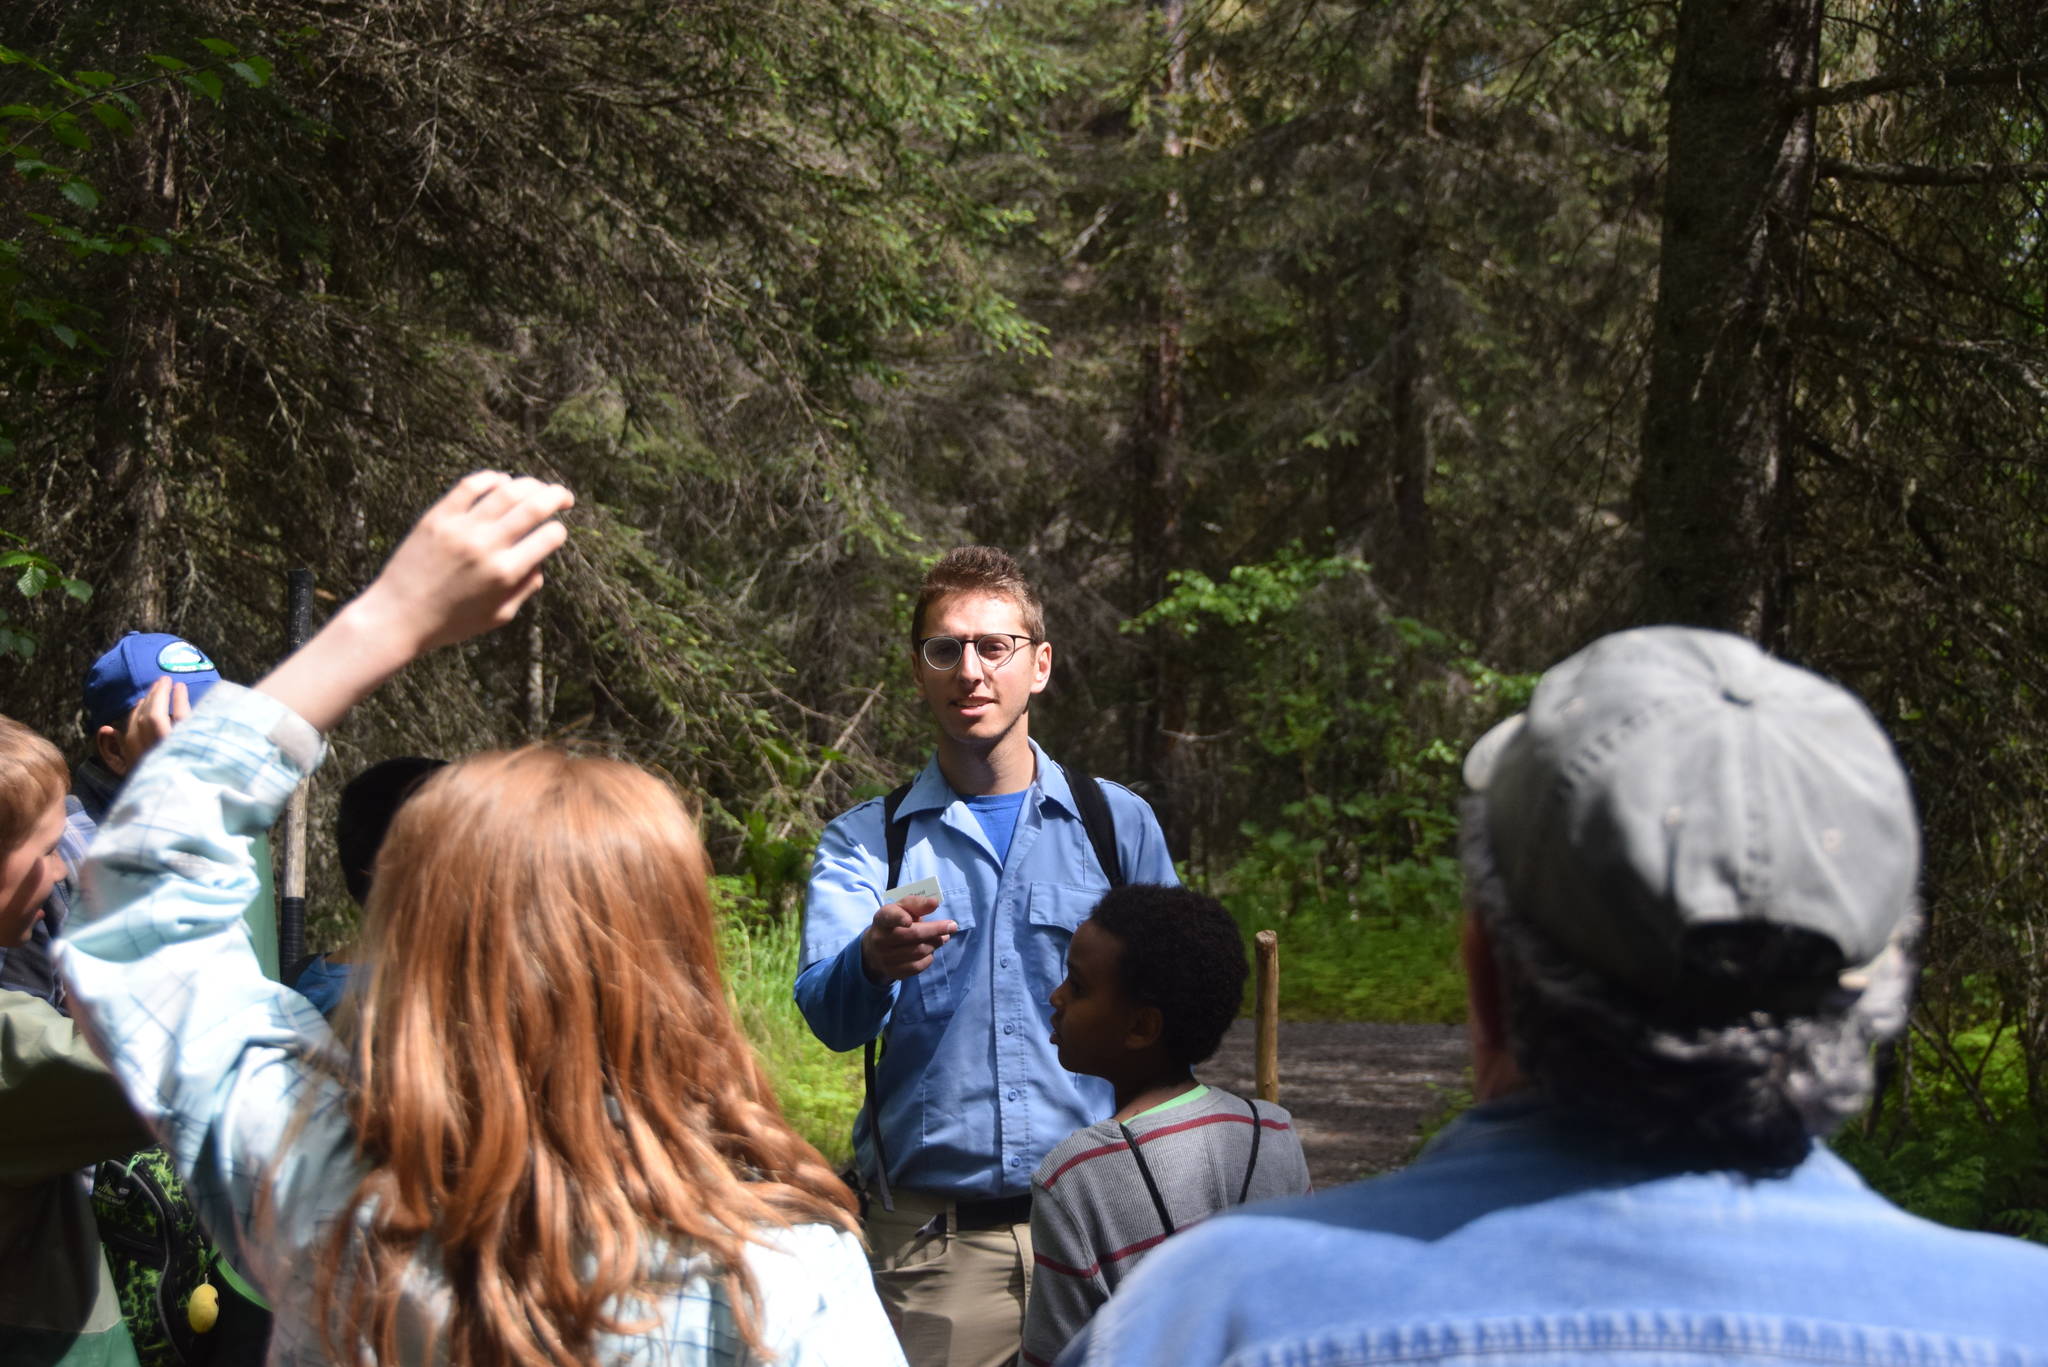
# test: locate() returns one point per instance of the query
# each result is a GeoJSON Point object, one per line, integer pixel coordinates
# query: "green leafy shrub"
{"type": "Point", "coordinates": [1953, 1138]}
{"type": "Point", "coordinates": [1336, 727]}
{"type": "Point", "coordinates": [37, 572]}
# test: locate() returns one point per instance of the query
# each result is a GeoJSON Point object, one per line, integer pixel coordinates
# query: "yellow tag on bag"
{"type": "Point", "coordinates": [203, 1309]}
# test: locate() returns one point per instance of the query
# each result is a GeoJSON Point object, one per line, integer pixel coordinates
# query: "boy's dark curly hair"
{"type": "Point", "coordinates": [1182, 953]}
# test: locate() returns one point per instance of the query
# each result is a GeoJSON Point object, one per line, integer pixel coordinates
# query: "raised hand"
{"type": "Point", "coordinates": [151, 719]}
{"type": "Point", "coordinates": [464, 569]}
{"type": "Point", "coordinates": [470, 561]}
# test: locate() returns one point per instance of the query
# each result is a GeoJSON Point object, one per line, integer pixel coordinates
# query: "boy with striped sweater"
{"type": "Point", "coordinates": [1154, 978]}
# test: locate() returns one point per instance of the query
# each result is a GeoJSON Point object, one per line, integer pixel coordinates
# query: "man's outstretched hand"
{"type": "Point", "coordinates": [899, 943]}
{"type": "Point", "coordinates": [463, 570]}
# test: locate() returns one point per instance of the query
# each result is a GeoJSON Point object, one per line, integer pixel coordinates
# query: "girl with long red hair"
{"type": "Point", "coordinates": [542, 1139]}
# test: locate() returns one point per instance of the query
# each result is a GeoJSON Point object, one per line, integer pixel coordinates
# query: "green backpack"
{"type": "Point", "coordinates": [160, 1257]}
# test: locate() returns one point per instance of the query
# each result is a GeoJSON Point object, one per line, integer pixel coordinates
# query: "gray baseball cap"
{"type": "Point", "coordinates": [1669, 778]}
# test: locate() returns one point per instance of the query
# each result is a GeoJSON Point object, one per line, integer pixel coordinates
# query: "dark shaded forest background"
{"type": "Point", "coordinates": [1335, 366]}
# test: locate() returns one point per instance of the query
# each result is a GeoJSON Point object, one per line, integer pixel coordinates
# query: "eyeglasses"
{"type": "Point", "coordinates": [995, 649]}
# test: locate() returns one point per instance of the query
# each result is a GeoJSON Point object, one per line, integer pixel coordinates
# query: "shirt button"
{"type": "Point", "coordinates": [1006, 961]}
{"type": "Point", "coordinates": [1009, 1029]}
{"type": "Point", "coordinates": [1014, 1094]}
{"type": "Point", "coordinates": [1014, 1161]}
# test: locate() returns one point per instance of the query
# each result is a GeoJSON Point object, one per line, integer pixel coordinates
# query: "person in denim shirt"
{"type": "Point", "coordinates": [1690, 879]}
{"type": "Point", "coordinates": [970, 1093]}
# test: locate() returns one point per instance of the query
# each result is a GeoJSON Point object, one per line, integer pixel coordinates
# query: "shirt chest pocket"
{"type": "Point", "coordinates": [1056, 911]}
{"type": "Point", "coordinates": [939, 988]}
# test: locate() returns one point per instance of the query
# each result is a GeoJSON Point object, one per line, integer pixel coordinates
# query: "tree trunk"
{"type": "Point", "coordinates": [1158, 476]}
{"type": "Point", "coordinates": [1737, 192]}
{"type": "Point", "coordinates": [133, 435]}
{"type": "Point", "coordinates": [1376, 492]}
{"type": "Point", "coordinates": [1406, 404]}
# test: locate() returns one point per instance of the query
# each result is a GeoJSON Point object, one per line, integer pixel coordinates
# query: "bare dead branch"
{"type": "Point", "coordinates": [1870, 334]}
{"type": "Point", "coordinates": [2015, 74]}
{"type": "Point", "coordinates": [1969, 173]}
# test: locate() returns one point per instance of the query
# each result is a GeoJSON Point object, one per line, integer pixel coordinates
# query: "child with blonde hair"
{"type": "Point", "coordinates": [63, 1110]}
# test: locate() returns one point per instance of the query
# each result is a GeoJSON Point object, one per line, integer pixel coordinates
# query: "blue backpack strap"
{"type": "Point", "coordinates": [894, 837]}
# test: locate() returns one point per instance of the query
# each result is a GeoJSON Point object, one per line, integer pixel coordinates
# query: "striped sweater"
{"type": "Point", "coordinates": [1093, 1216]}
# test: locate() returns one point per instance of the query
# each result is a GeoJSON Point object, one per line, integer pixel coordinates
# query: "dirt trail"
{"type": "Point", "coordinates": [1358, 1092]}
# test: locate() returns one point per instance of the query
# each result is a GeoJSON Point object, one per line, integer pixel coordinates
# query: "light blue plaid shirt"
{"type": "Point", "coordinates": [238, 1075]}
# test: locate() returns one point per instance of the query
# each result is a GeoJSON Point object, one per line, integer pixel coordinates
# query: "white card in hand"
{"type": "Point", "coordinates": [927, 886]}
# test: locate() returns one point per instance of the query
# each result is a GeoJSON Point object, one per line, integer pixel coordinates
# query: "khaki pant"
{"type": "Point", "coordinates": [956, 1298]}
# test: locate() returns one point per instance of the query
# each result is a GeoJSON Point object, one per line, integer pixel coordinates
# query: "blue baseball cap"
{"type": "Point", "coordinates": [119, 678]}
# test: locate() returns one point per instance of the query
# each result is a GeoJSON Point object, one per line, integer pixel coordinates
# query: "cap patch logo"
{"type": "Point", "coordinates": [182, 657]}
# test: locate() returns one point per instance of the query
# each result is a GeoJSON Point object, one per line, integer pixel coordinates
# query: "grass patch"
{"type": "Point", "coordinates": [1372, 940]}
{"type": "Point", "coordinates": [1399, 970]}
{"type": "Point", "coordinates": [819, 1090]}
{"type": "Point", "coordinates": [1396, 969]}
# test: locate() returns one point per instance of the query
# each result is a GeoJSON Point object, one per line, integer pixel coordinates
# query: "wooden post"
{"type": "Point", "coordinates": [1267, 1024]}
{"type": "Point", "coordinates": [291, 885]}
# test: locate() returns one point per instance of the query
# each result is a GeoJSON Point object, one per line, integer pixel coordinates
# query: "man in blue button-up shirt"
{"type": "Point", "coordinates": [970, 1092]}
